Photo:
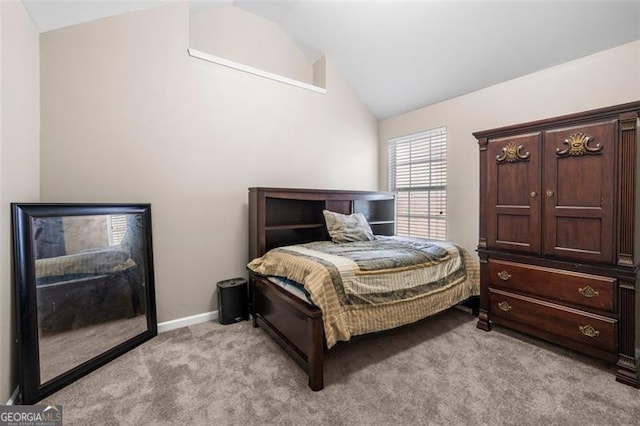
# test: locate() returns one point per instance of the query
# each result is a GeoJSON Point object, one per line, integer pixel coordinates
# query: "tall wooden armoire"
{"type": "Point", "coordinates": [560, 232]}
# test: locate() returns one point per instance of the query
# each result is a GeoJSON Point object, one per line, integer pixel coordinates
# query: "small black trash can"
{"type": "Point", "coordinates": [233, 301]}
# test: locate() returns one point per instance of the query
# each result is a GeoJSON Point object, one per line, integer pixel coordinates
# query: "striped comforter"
{"type": "Point", "coordinates": [368, 286]}
{"type": "Point", "coordinates": [97, 261]}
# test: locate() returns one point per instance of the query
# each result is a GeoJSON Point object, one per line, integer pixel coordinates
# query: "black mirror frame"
{"type": "Point", "coordinates": [31, 389]}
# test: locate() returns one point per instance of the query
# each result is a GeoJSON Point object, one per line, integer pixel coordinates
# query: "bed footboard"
{"type": "Point", "coordinates": [293, 324]}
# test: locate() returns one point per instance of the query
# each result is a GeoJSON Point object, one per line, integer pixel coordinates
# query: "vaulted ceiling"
{"type": "Point", "coordinates": [400, 56]}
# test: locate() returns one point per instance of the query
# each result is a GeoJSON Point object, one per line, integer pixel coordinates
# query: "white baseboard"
{"type": "Point", "coordinates": [14, 396]}
{"type": "Point", "coordinates": [187, 321]}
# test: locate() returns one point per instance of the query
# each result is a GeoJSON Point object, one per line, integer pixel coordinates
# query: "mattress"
{"type": "Point", "coordinates": [294, 288]}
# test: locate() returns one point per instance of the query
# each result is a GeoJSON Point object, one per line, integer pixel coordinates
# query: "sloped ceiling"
{"type": "Point", "coordinates": [400, 56]}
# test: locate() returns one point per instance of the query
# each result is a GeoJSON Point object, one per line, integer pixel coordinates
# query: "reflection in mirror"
{"type": "Point", "coordinates": [84, 289]}
{"type": "Point", "coordinates": [89, 287]}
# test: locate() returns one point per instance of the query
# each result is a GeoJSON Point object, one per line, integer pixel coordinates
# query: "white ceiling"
{"type": "Point", "coordinates": [400, 56]}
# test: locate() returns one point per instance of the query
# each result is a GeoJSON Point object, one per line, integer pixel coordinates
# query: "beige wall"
{"type": "Point", "coordinates": [235, 34]}
{"type": "Point", "coordinates": [19, 157]}
{"type": "Point", "coordinates": [128, 116]}
{"type": "Point", "coordinates": [607, 78]}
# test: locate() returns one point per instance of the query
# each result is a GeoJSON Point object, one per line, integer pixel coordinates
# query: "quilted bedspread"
{"type": "Point", "coordinates": [368, 286]}
{"type": "Point", "coordinates": [96, 261]}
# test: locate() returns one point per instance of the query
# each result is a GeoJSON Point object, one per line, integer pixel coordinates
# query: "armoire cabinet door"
{"type": "Point", "coordinates": [513, 198]}
{"type": "Point", "coordinates": [579, 191]}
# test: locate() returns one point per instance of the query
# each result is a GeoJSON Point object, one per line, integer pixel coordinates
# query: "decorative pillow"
{"type": "Point", "coordinates": [347, 228]}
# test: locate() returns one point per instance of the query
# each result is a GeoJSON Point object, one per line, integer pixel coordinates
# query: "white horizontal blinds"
{"type": "Point", "coordinates": [117, 224]}
{"type": "Point", "coordinates": [418, 173]}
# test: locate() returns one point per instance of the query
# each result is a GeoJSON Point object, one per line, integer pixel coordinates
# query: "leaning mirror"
{"type": "Point", "coordinates": [84, 289]}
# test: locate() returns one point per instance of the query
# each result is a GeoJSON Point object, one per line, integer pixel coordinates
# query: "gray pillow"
{"type": "Point", "coordinates": [347, 228]}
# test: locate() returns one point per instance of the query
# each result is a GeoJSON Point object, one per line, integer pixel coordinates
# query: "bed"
{"type": "Point", "coordinates": [85, 288]}
{"type": "Point", "coordinates": [325, 266]}
{"type": "Point", "coordinates": [80, 277]}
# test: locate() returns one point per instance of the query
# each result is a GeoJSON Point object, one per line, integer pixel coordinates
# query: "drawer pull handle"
{"type": "Point", "coordinates": [588, 330]}
{"type": "Point", "coordinates": [588, 291]}
{"type": "Point", "coordinates": [504, 306]}
{"type": "Point", "coordinates": [504, 275]}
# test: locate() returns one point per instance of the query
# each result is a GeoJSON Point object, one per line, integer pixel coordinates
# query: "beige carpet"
{"type": "Point", "coordinates": [439, 371]}
{"type": "Point", "coordinates": [64, 350]}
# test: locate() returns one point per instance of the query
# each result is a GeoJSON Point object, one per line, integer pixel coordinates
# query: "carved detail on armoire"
{"type": "Point", "coordinates": [578, 145]}
{"type": "Point", "coordinates": [482, 143]}
{"type": "Point", "coordinates": [627, 153]}
{"type": "Point", "coordinates": [627, 371]}
{"type": "Point", "coordinates": [564, 267]}
{"type": "Point", "coordinates": [482, 239]}
{"type": "Point", "coordinates": [483, 321]}
{"type": "Point", "coordinates": [512, 153]}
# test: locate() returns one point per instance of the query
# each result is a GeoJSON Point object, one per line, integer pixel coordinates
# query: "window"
{"type": "Point", "coordinates": [418, 173]}
{"type": "Point", "coordinates": [116, 227]}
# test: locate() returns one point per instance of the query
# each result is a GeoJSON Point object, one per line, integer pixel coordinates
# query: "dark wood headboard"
{"type": "Point", "coordinates": [285, 216]}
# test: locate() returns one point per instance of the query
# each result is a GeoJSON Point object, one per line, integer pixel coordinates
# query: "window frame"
{"type": "Point", "coordinates": [423, 167]}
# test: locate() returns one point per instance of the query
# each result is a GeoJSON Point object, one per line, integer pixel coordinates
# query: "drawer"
{"type": "Point", "coordinates": [584, 327]}
{"type": "Point", "coordinates": [582, 289]}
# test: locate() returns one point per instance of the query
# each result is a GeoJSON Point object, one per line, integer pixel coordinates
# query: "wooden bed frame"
{"type": "Point", "coordinates": [282, 216]}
